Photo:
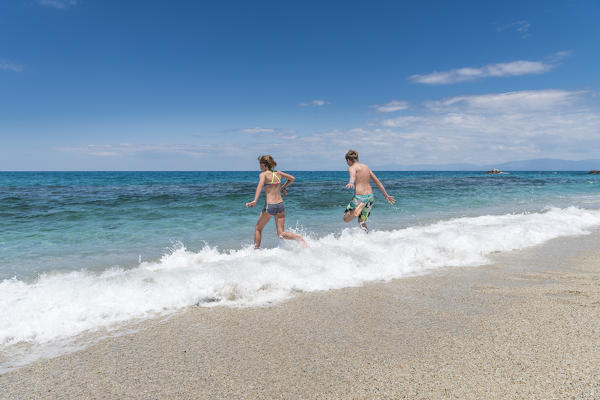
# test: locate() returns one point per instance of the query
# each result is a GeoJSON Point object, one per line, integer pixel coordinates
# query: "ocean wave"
{"type": "Point", "coordinates": [62, 305]}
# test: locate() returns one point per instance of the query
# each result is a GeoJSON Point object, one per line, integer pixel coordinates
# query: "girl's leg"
{"type": "Point", "coordinates": [263, 218]}
{"type": "Point", "coordinates": [280, 223]}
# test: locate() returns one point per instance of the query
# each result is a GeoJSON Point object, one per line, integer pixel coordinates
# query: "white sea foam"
{"type": "Point", "coordinates": [59, 306]}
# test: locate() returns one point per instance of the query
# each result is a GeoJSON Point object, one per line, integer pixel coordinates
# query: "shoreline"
{"type": "Point", "coordinates": [526, 326]}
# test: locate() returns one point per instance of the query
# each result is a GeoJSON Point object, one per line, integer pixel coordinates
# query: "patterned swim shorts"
{"type": "Point", "coordinates": [368, 199]}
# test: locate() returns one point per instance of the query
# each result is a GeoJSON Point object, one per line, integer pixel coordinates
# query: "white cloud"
{"type": "Point", "coordinates": [479, 129]}
{"type": "Point", "coordinates": [559, 55]}
{"type": "Point", "coordinates": [60, 4]}
{"type": "Point", "coordinates": [10, 67]}
{"type": "Point", "coordinates": [521, 27]}
{"type": "Point", "coordinates": [401, 121]}
{"type": "Point", "coordinates": [514, 68]}
{"type": "Point", "coordinates": [314, 103]}
{"type": "Point", "coordinates": [498, 127]}
{"type": "Point", "coordinates": [391, 106]}
{"type": "Point", "coordinates": [128, 149]}
{"type": "Point", "coordinates": [526, 100]}
{"type": "Point", "coordinates": [258, 129]}
{"type": "Point", "coordinates": [270, 133]}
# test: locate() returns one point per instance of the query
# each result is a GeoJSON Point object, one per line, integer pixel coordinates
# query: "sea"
{"type": "Point", "coordinates": [84, 255]}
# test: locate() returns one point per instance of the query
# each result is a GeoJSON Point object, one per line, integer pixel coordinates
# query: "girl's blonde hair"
{"type": "Point", "coordinates": [267, 161]}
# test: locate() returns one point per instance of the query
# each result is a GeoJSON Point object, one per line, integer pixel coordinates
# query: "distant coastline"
{"type": "Point", "coordinates": [541, 164]}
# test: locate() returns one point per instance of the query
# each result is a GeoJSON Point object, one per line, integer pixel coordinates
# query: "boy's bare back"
{"type": "Point", "coordinates": [362, 178]}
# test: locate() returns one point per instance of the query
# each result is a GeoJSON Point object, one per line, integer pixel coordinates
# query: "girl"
{"type": "Point", "coordinates": [271, 180]}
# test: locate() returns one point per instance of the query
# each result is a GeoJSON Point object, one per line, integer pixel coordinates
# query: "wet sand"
{"type": "Point", "coordinates": [527, 326]}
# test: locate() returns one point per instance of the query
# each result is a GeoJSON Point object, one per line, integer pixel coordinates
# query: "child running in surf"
{"type": "Point", "coordinates": [271, 181]}
{"type": "Point", "coordinates": [360, 180]}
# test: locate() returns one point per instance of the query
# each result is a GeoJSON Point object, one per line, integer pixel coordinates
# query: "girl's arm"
{"type": "Point", "coordinates": [390, 199]}
{"type": "Point", "coordinates": [288, 181]}
{"type": "Point", "coordinates": [261, 183]}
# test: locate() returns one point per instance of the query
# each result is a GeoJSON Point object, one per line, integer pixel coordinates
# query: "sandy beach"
{"type": "Point", "coordinates": [316, 200]}
{"type": "Point", "coordinates": [527, 326]}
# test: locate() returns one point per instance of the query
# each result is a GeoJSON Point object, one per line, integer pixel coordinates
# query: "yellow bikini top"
{"type": "Point", "coordinates": [273, 176]}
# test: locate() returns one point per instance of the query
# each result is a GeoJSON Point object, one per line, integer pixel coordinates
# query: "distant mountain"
{"type": "Point", "coordinates": [550, 164]}
{"type": "Point", "coordinates": [427, 167]}
{"type": "Point", "coordinates": [540, 164]}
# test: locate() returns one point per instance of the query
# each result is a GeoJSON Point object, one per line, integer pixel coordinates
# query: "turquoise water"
{"type": "Point", "coordinates": [97, 220]}
{"type": "Point", "coordinates": [83, 254]}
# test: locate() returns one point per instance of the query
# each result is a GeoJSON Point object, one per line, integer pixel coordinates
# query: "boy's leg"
{"type": "Point", "coordinates": [363, 225]}
{"type": "Point", "coordinates": [350, 214]}
{"type": "Point", "coordinates": [359, 209]}
{"type": "Point", "coordinates": [364, 213]}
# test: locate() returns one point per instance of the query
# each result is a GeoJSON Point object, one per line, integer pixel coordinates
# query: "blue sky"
{"type": "Point", "coordinates": [187, 85]}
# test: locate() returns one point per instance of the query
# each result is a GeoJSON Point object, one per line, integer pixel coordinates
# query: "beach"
{"type": "Point", "coordinates": [527, 326]}
{"type": "Point", "coordinates": [308, 200]}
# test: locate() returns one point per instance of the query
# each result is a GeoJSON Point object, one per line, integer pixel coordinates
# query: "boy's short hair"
{"type": "Point", "coordinates": [352, 155]}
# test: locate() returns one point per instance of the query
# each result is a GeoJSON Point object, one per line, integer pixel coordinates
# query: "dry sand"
{"type": "Point", "coordinates": [527, 327]}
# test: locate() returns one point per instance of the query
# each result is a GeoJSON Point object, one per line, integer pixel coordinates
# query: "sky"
{"type": "Point", "coordinates": [189, 85]}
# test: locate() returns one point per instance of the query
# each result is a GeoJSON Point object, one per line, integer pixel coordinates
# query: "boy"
{"type": "Point", "coordinates": [360, 181]}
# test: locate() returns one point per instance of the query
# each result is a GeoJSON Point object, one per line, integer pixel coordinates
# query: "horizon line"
{"type": "Point", "coordinates": [305, 170]}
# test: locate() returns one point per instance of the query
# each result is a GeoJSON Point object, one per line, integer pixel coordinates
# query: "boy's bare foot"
{"type": "Point", "coordinates": [302, 242]}
{"type": "Point", "coordinates": [363, 225]}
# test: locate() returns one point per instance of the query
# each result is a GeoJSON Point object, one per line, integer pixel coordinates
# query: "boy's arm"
{"type": "Point", "coordinates": [352, 172]}
{"type": "Point", "coordinates": [261, 183]}
{"type": "Point", "coordinates": [389, 199]}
